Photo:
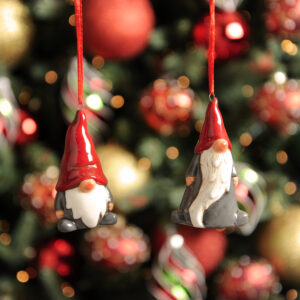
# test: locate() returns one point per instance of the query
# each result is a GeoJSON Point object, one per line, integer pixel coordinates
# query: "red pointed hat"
{"type": "Point", "coordinates": [213, 128]}
{"type": "Point", "coordinates": [80, 160]}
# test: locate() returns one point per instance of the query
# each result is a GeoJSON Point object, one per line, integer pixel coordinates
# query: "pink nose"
{"type": "Point", "coordinates": [87, 185]}
{"type": "Point", "coordinates": [220, 145]}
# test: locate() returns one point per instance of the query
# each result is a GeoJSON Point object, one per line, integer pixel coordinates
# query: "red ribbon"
{"type": "Point", "coordinates": [211, 48]}
{"type": "Point", "coordinates": [79, 33]}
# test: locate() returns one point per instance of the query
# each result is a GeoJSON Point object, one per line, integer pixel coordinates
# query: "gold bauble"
{"type": "Point", "coordinates": [126, 179]}
{"type": "Point", "coordinates": [16, 31]}
{"type": "Point", "coordinates": [279, 242]}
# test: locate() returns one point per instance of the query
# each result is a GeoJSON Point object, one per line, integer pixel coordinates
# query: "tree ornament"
{"type": "Point", "coordinates": [209, 199]}
{"type": "Point", "coordinates": [121, 247]}
{"type": "Point", "coordinates": [16, 22]}
{"type": "Point", "coordinates": [38, 192]}
{"type": "Point", "coordinates": [251, 195]}
{"type": "Point", "coordinates": [83, 199]}
{"type": "Point", "coordinates": [167, 107]}
{"type": "Point", "coordinates": [277, 104]}
{"type": "Point", "coordinates": [279, 243]}
{"type": "Point", "coordinates": [232, 34]}
{"type": "Point", "coordinates": [117, 29]}
{"type": "Point", "coordinates": [177, 275]}
{"type": "Point", "coordinates": [57, 255]}
{"type": "Point", "coordinates": [127, 177]}
{"type": "Point", "coordinates": [283, 18]}
{"type": "Point", "coordinates": [247, 279]}
{"type": "Point", "coordinates": [96, 97]}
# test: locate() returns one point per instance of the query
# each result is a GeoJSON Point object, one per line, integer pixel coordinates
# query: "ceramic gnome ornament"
{"type": "Point", "coordinates": [209, 198]}
{"type": "Point", "coordinates": [83, 199]}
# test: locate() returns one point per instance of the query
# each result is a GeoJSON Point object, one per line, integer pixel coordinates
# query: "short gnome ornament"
{"type": "Point", "coordinates": [209, 199]}
{"type": "Point", "coordinates": [83, 199]}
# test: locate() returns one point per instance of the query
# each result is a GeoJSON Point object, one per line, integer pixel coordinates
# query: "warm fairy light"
{"type": "Point", "coordinates": [183, 100]}
{"type": "Point", "coordinates": [22, 276]}
{"type": "Point", "coordinates": [127, 175]}
{"type": "Point", "coordinates": [94, 102]}
{"type": "Point", "coordinates": [144, 163]}
{"type": "Point", "coordinates": [62, 247]}
{"type": "Point", "coordinates": [183, 82]}
{"type": "Point", "coordinates": [98, 62]}
{"type": "Point", "coordinates": [68, 291]}
{"type": "Point", "coordinates": [172, 152]}
{"type": "Point", "coordinates": [52, 172]}
{"type": "Point", "coordinates": [290, 188]}
{"type": "Point", "coordinates": [159, 83]}
{"type": "Point", "coordinates": [51, 77]}
{"type": "Point", "coordinates": [29, 126]}
{"type": "Point", "coordinates": [5, 107]}
{"type": "Point", "coordinates": [282, 157]}
{"type": "Point", "coordinates": [257, 275]}
{"type": "Point", "coordinates": [289, 47]}
{"type": "Point", "coordinates": [280, 77]}
{"type": "Point", "coordinates": [72, 20]}
{"type": "Point", "coordinates": [234, 31]}
{"type": "Point", "coordinates": [24, 97]}
{"type": "Point", "coordinates": [291, 294]}
{"type": "Point", "coordinates": [5, 239]}
{"type": "Point", "coordinates": [63, 269]}
{"type": "Point", "coordinates": [117, 101]}
{"type": "Point", "coordinates": [246, 139]}
{"type": "Point", "coordinates": [31, 272]}
{"type": "Point", "coordinates": [176, 241]}
{"type": "Point", "coordinates": [199, 125]}
{"type": "Point", "coordinates": [247, 91]}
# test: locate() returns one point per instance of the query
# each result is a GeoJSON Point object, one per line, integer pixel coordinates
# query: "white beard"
{"type": "Point", "coordinates": [216, 179]}
{"type": "Point", "coordinates": [90, 207]}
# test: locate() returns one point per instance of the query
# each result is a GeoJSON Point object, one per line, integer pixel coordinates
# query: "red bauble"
{"type": "Point", "coordinates": [38, 193]}
{"type": "Point", "coordinates": [117, 28]}
{"type": "Point", "coordinates": [247, 279]}
{"type": "Point", "coordinates": [167, 107]}
{"type": "Point", "coordinates": [57, 255]}
{"type": "Point", "coordinates": [232, 34]}
{"type": "Point", "coordinates": [283, 18]}
{"type": "Point", "coordinates": [118, 247]}
{"type": "Point", "coordinates": [208, 246]}
{"type": "Point", "coordinates": [278, 105]}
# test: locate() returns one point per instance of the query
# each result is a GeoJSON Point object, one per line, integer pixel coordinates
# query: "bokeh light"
{"type": "Point", "coordinates": [144, 163]}
{"type": "Point", "coordinates": [246, 139]}
{"type": "Point", "coordinates": [51, 77]}
{"type": "Point", "coordinates": [289, 47]}
{"type": "Point", "coordinates": [29, 126]}
{"type": "Point", "coordinates": [6, 108]}
{"type": "Point", "coordinates": [183, 82]}
{"type": "Point", "coordinates": [72, 20]}
{"type": "Point", "coordinates": [290, 188]}
{"type": "Point", "coordinates": [234, 31]}
{"type": "Point", "coordinates": [98, 62]}
{"type": "Point", "coordinates": [172, 152]}
{"type": "Point", "coordinates": [22, 276]}
{"type": "Point", "coordinates": [5, 239]}
{"type": "Point", "coordinates": [117, 101]}
{"type": "Point", "coordinates": [94, 102]}
{"type": "Point", "coordinates": [281, 157]}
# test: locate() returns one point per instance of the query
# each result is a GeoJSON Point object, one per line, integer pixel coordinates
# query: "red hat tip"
{"type": "Point", "coordinates": [213, 128]}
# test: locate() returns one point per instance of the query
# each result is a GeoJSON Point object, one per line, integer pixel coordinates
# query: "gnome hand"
{"type": "Point", "coordinates": [235, 180]}
{"type": "Point", "coordinates": [189, 180]}
{"type": "Point", "coordinates": [110, 206]}
{"type": "Point", "coordinates": [60, 214]}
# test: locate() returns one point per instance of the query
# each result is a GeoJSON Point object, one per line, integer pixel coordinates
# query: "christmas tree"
{"type": "Point", "coordinates": [145, 87]}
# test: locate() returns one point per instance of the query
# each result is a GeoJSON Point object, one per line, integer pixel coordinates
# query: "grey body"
{"type": "Point", "coordinates": [68, 223]}
{"type": "Point", "coordinates": [222, 213]}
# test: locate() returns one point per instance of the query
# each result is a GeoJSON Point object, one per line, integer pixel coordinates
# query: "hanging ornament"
{"type": "Point", "coordinates": [28, 128]}
{"type": "Point", "coordinates": [117, 29]}
{"type": "Point", "coordinates": [58, 255]}
{"type": "Point", "coordinates": [279, 243]}
{"type": "Point", "coordinates": [247, 279]}
{"type": "Point", "coordinates": [209, 199]}
{"type": "Point", "coordinates": [96, 96]}
{"type": "Point", "coordinates": [121, 247]}
{"type": "Point", "coordinates": [17, 31]}
{"type": "Point", "coordinates": [167, 107]}
{"type": "Point", "coordinates": [177, 275]}
{"type": "Point", "coordinates": [251, 194]}
{"type": "Point", "coordinates": [277, 104]}
{"type": "Point", "coordinates": [127, 177]}
{"type": "Point", "coordinates": [83, 199]}
{"type": "Point", "coordinates": [283, 18]}
{"type": "Point", "coordinates": [232, 34]}
{"type": "Point", "coordinates": [38, 192]}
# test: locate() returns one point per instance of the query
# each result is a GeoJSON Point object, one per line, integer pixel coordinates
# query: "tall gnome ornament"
{"type": "Point", "coordinates": [83, 199]}
{"type": "Point", "coordinates": [209, 198]}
